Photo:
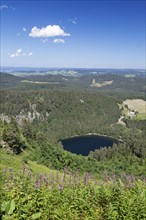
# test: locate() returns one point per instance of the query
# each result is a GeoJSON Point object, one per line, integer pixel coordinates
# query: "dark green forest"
{"type": "Point", "coordinates": [36, 119]}
{"type": "Point", "coordinates": [62, 114]}
{"type": "Point", "coordinates": [39, 179]}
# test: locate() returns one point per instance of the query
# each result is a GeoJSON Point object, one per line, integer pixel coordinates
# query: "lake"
{"type": "Point", "coordinates": [84, 144]}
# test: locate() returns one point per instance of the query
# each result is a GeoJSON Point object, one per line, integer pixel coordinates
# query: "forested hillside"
{"type": "Point", "coordinates": [33, 120]}
{"type": "Point", "coordinates": [62, 114]}
{"type": "Point", "coordinates": [112, 84]}
{"type": "Point", "coordinates": [36, 120]}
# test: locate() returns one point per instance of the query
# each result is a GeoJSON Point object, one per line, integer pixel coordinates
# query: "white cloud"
{"type": "Point", "coordinates": [56, 41]}
{"type": "Point", "coordinates": [19, 53]}
{"type": "Point", "coordinates": [3, 7]}
{"type": "Point", "coordinates": [12, 55]}
{"type": "Point", "coordinates": [43, 40]}
{"type": "Point", "coordinates": [16, 54]}
{"type": "Point", "coordinates": [30, 53]}
{"type": "Point", "coordinates": [6, 7]}
{"type": "Point", "coordinates": [48, 31]}
{"type": "Point", "coordinates": [24, 29]}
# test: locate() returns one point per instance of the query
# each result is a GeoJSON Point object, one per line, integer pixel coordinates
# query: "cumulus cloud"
{"type": "Point", "coordinates": [48, 31]}
{"type": "Point", "coordinates": [30, 53]}
{"type": "Point", "coordinates": [3, 7]}
{"type": "Point", "coordinates": [24, 29]}
{"type": "Point", "coordinates": [19, 53]}
{"type": "Point", "coordinates": [13, 55]}
{"type": "Point", "coordinates": [56, 41]}
{"type": "Point", "coordinates": [16, 54]}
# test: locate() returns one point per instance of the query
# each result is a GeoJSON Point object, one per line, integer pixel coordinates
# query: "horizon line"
{"type": "Point", "coordinates": [116, 68]}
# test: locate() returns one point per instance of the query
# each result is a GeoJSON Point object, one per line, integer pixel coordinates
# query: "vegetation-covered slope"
{"type": "Point", "coordinates": [107, 184]}
{"type": "Point", "coordinates": [62, 113]}
{"type": "Point", "coordinates": [47, 197]}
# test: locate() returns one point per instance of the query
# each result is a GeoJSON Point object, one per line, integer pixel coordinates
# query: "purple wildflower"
{"type": "Point", "coordinates": [60, 187]}
{"type": "Point", "coordinates": [37, 184]}
{"type": "Point", "coordinates": [86, 178]}
{"type": "Point", "coordinates": [113, 178]}
{"type": "Point", "coordinates": [130, 181]}
{"type": "Point", "coordinates": [46, 180]}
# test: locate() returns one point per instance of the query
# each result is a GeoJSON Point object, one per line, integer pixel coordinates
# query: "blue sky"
{"type": "Point", "coordinates": [86, 34]}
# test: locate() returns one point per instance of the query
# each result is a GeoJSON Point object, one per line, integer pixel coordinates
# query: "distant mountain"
{"type": "Point", "coordinates": [24, 71]}
{"type": "Point", "coordinates": [9, 80]}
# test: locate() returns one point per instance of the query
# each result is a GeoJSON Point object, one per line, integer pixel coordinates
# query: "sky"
{"type": "Point", "coordinates": [73, 34]}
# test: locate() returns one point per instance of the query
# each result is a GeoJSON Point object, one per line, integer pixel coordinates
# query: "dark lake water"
{"type": "Point", "coordinates": [84, 144]}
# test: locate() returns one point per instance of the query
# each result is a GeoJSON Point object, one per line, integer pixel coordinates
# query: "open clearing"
{"type": "Point", "coordinates": [133, 109]}
{"type": "Point", "coordinates": [16, 162]}
{"type": "Point", "coordinates": [37, 82]}
{"type": "Point", "coordinates": [105, 83]}
{"type": "Point", "coordinates": [136, 105]}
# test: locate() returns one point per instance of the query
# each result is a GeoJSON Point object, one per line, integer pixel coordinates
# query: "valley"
{"type": "Point", "coordinates": [44, 122]}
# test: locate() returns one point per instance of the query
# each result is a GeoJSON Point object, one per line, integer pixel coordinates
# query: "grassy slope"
{"type": "Point", "coordinates": [141, 116]}
{"type": "Point", "coordinates": [8, 160]}
{"type": "Point", "coordinates": [53, 198]}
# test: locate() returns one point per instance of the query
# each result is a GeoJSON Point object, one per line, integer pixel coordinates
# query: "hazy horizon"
{"type": "Point", "coordinates": [42, 67]}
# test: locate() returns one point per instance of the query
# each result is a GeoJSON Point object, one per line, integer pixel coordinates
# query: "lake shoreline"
{"type": "Point", "coordinates": [83, 144]}
{"type": "Point", "coordinates": [94, 134]}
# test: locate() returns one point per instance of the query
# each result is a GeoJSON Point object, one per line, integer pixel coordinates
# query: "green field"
{"type": "Point", "coordinates": [9, 160]}
{"type": "Point", "coordinates": [141, 116]}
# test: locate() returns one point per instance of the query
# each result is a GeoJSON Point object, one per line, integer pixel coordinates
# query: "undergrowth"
{"type": "Point", "coordinates": [65, 196]}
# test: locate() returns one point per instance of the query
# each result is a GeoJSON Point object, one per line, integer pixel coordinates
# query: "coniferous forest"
{"type": "Point", "coordinates": [40, 180]}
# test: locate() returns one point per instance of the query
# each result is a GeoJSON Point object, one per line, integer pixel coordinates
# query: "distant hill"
{"type": "Point", "coordinates": [9, 80]}
{"type": "Point", "coordinates": [26, 71]}
{"type": "Point", "coordinates": [118, 85]}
